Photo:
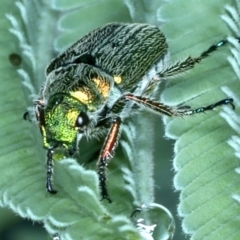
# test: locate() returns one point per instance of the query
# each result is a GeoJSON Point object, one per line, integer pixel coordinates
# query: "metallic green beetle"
{"type": "Point", "coordinates": [94, 85]}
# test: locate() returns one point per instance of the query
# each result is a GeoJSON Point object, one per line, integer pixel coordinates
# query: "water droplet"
{"type": "Point", "coordinates": [154, 222]}
{"type": "Point", "coordinates": [56, 236]}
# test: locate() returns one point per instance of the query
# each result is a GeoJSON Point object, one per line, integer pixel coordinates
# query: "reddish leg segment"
{"type": "Point", "coordinates": [106, 154]}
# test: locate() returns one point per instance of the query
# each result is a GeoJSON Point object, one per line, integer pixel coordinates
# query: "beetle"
{"type": "Point", "coordinates": [94, 85]}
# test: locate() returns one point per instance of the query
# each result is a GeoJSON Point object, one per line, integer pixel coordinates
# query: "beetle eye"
{"type": "Point", "coordinates": [82, 120]}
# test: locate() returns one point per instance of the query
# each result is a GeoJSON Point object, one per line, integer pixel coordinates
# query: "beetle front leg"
{"type": "Point", "coordinates": [49, 187]}
{"type": "Point", "coordinates": [106, 155]}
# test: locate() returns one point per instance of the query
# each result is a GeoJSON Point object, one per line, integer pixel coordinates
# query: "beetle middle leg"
{"type": "Point", "coordinates": [159, 107]}
{"type": "Point", "coordinates": [106, 155]}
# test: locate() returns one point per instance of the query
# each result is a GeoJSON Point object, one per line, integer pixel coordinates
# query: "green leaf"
{"type": "Point", "coordinates": [204, 162]}
{"type": "Point", "coordinates": [207, 145]}
{"type": "Point", "coordinates": [76, 211]}
{"type": "Point", "coordinates": [78, 23]}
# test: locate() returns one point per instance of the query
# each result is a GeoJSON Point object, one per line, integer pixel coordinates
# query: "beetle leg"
{"type": "Point", "coordinates": [189, 111]}
{"type": "Point", "coordinates": [159, 107]}
{"type": "Point", "coordinates": [106, 154]}
{"type": "Point", "coordinates": [49, 187]}
{"type": "Point", "coordinates": [183, 66]}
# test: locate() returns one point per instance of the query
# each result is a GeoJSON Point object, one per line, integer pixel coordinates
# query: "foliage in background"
{"type": "Point", "coordinates": [204, 162]}
{"type": "Point", "coordinates": [75, 212]}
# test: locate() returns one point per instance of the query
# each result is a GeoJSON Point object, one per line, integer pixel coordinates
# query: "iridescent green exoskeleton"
{"type": "Point", "coordinates": [94, 85]}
